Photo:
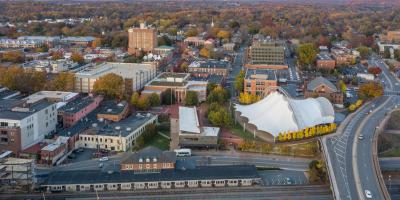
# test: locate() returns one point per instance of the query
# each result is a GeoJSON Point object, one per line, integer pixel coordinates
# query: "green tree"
{"type": "Point", "coordinates": [219, 95]}
{"type": "Point", "coordinates": [110, 85]}
{"type": "Point", "coordinates": [219, 116]}
{"type": "Point", "coordinates": [386, 53]}
{"type": "Point", "coordinates": [210, 87]}
{"type": "Point", "coordinates": [239, 81]}
{"type": "Point", "coordinates": [307, 54]}
{"type": "Point", "coordinates": [168, 97]}
{"type": "Point", "coordinates": [154, 100]}
{"type": "Point", "coordinates": [135, 99]}
{"type": "Point", "coordinates": [191, 98]}
{"type": "Point", "coordinates": [364, 51]}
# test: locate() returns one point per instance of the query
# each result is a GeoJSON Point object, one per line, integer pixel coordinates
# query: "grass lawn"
{"type": "Point", "coordinates": [159, 142]}
{"type": "Point", "coordinates": [238, 131]}
{"type": "Point", "coordinates": [393, 122]}
{"type": "Point", "coordinates": [395, 152]}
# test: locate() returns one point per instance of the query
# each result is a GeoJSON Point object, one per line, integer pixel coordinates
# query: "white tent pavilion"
{"type": "Point", "coordinates": [278, 113]}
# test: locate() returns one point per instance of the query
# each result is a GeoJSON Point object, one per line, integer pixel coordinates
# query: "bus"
{"type": "Point", "coordinates": [183, 152]}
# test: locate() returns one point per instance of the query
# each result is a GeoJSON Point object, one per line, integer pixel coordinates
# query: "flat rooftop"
{"type": "Point", "coordinates": [210, 64]}
{"type": "Point", "coordinates": [126, 70]}
{"type": "Point", "coordinates": [112, 107]}
{"type": "Point", "coordinates": [18, 112]}
{"type": "Point", "coordinates": [77, 104]}
{"type": "Point", "coordinates": [198, 173]}
{"type": "Point", "coordinates": [263, 74]}
{"type": "Point", "coordinates": [55, 95]}
{"type": "Point", "coordinates": [123, 127]}
{"type": "Point", "coordinates": [170, 79]}
{"type": "Point", "coordinates": [324, 56]}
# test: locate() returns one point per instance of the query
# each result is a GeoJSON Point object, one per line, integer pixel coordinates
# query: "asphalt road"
{"type": "Point", "coordinates": [351, 158]}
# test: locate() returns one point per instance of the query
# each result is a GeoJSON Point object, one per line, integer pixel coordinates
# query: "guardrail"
{"type": "Point", "coordinates": [375, 159]}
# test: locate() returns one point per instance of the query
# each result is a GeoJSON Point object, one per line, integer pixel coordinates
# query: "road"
{"type": "Point", "coordinates": [350, 158]}
{"type": "Point", "coordinates": [237, 65]}
{"type": "Point", "coordinates": [313, 192]}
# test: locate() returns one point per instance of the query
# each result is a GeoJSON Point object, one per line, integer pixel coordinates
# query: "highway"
{"type": "Point", "coordinates": [313, 192]}
{"type": "Point", "coordinates": [350, 159]}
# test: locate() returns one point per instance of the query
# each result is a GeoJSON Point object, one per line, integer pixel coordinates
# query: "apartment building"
{"type": "Point", "coordinates": [267, 52]}
{"type": "Point", "coordinates": [325, 62]}
{"type": "Point", "coordinates": [143, 38]}
{"type": "Point", "coordinates": [214, 67]}
{"type": "Point", "coordinates": [23, 124]}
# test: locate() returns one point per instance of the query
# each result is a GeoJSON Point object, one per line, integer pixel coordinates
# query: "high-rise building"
{"type": "Point", "coordinates": [143, 38]}
{"type": "Point", "coordinates": [267, 52]}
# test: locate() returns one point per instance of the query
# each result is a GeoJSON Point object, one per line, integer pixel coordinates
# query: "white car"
{"type": "Point", "coordinates": [368, 194]}
{"type": "Point", "coordinates": [103, 159]}
{"type": "Point", "coordinates": [360, 137]}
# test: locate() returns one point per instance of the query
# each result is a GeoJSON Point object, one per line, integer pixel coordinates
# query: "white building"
{"type": "Point", "coordinates": [191, 133]}
{"type": "Point", "coordinates": [116, 136]}
{"type": "Point", "coordinates": [25, 124]}
{"type": "Point", "coordinates": [136, 75]}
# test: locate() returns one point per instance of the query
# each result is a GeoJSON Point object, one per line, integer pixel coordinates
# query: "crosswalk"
{"type": "Point", "coordinates": [391, 92]}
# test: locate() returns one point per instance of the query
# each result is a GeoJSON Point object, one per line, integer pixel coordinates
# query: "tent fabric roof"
{"type": "Point", "coordinates": [278, 113]}
{"type": "Point", "coordinates": [319, 81]}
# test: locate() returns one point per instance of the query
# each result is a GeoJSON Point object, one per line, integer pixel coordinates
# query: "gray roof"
{"type": "Point", "coordinates": [8, 113]}
{"type": "Point", "coordinates": [319, 81]}
{"type": "Point", "coordinates": [77, 104]}
{"type": "Point", "coordinates": [324, 56]}
{"type": "Point", "coordinates": [199, 173]}
{"type": "Point", "coordinates": [150, 152]}
{"type": "Point", "coordinates": [112, 107]}
{"type": "Point", "coordinates": [270, 74]}
{"type": "Point", "coordinates": [123, 127]}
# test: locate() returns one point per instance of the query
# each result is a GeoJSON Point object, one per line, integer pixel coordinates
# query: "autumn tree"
{"type": "Point", "coordinates": [307, 54]}
{"type": "Point", "coordinates": [191, 32]}
{"type": "Point", "coordinates": [110, 85]}
{"type": "Point", "coordinates": [223, 34]}
{"type": "Point", "coordinates": [374, 70]}
{"type": "Point", "coordinates": [370, 90]}
{"type": "Point", "coordinates": [78, 58]}
{"type": "Point", "coordinates": [204, 52]}
{"type": "Point", "coordinates": [96, 42]}
{"type": "Point", "coordinates": [218, 95]}
{"type": "Point", "coordinates": [64, 81]}
{"type": "Point", "coordinates": [219, 115]}
{"type": "Point", "coordinates": [246, 98]}
{"type": "Point", "coordinates": [143, 103]}
{"type": "Point", "coordinates": [191, 98]}
{"type": "Point", "coordinates": [13, 56]}
{"type": "Point", "coordinates": [25, 81]}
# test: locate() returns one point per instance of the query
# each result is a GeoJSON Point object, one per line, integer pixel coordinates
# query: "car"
{"type": "Point", "coordinates": [288, 181]}
{"type": "Point", "coordinates": [101, 165]}
{"type": "Point", "coordinates": [103, 159]}
{"type": "Point", "coordinates": [368, 194]}
{"type": "Point", "coordinates": [360, 137]}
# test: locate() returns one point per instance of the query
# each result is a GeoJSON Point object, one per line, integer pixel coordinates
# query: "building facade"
{"type": "Point", "coordinates": [321, 87]}
{"type": "Point", "coordinates": [325, 62]}
{"type": "Point", "coordinates": [78, 109]}
{"type": "Point", "coordinates": [267, 52]}
{"type": "Point", "coordinates": [23, 125]}
{"type": "Point", "coordinates": [140, 39]}
{"type": "Point", "coordinates": [260, 81]}
{"type": "Point", "coordinates": [116, 136]}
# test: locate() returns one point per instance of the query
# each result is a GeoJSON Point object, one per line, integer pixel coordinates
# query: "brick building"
{"type": "Point", "coordinates": [143, 38]}
{"type": "Point", "coordinates": [322, 87]}
{"type": "Point", "coordinates": [260, 81]}
{"type": "Point", "coordinates": [325, 61]}
{"type": "Point", "coordinates": [78, 109]}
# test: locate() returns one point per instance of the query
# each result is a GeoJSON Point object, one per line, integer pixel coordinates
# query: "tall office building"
{"type": "Point", "coordinates": [267, 52]}
{"type": "Point", "coordinates": [143, 38]}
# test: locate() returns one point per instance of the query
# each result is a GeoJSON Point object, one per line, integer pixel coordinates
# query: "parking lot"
{"type": "Point", "coordinates": [283, 177]}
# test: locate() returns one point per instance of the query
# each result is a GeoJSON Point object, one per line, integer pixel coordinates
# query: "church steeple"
{"type": "Point", "coordinates": [212, 23]}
